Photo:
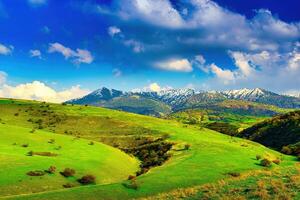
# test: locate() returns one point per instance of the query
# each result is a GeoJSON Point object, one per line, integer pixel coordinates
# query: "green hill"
{"type": "Point", "coordinates": [198, 156]}
{"type": "Point", "coordinates": [276, 132]}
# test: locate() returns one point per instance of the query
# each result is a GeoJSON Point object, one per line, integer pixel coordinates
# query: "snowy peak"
{"type": "Point", "coordinates": [247, 94]}
{"type": "Point", "coordinates": [105, 93]}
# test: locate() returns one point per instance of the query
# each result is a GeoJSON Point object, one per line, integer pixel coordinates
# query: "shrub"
{"type": "Point", "coordinates": [30, 153]}
{"type": "Point", "coordinates": [131, 185]}
{"type": "Point", "coordinates": [286, 150]}
{"type": "Point", "coordinates": [32, 131]}
{"type": "Point", "coordinates": [68, 185]}
{"type": "Point", "coordinates": [87, 179]}
{"type": "Point", "coordinates": [187, 147]}
{"type": "Point", "coordinates": [51, 170]}
{"type": "Point", "coordinates": [258, 157]}
{"type": "Point", "coordinates": [234, 174]}
{"type": "Point", "coordinates": [91, 143]}
{"type": "Point", "coordinates": [16, 114]}
{"type": "Point", "coordinates": [265, 162]}
{"type": "Point", "coordinates": [68, 172]}
{"type": "Point", "coordinates": [36, 173]}
{"type": "Point", "coordinates": [277, 161]}
{"type": "Point", "coordinates": [51, 141]}
{"type": "Point", "coordinates": [25, 145]}
{"type": "Point", "coordinates": [130, 177]}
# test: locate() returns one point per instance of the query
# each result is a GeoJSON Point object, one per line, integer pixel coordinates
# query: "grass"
{"type": "Point", "coordinates": [210, 157]}
{"type": "Point", "coordinates": [108, 164]}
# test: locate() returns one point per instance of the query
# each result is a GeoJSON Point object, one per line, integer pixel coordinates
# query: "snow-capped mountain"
{"type": "Point", "coordinates": [102, 94]}
{"type": "Point", "coordinates": [173, 97]}
{"type": "Point", "coordinates": [248, 94]}
{"type": "Point", "coordinates": [180, 98]}
{"type": "Point", "coordinates": [263, 96]}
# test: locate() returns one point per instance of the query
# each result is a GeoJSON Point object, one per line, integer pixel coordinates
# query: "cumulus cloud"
{"type": "Point", "coordinates": [226, 76]}
{"type": "Point", "coordinates": [6, 50]}
{"type": "Point", "coordinates": [180, 65]}
{"type": "Point", "coordinates": [79, 56]}
{"type": "Point", "coordinates": [113, 30]}
{"type": "Point", "coordinates": [152, 87]}
{"type": "Point", "coordinates": [243, 63]}
{"type": "Point", "coordinates": [37, 90]}
{"type": "Point", "coordinates": [35, 53]}
{"type": "Point", "coordinates": [160, 12]}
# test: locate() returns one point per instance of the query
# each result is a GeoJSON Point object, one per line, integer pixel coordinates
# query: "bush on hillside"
{"type": "Point", "coordinates": [51, 170]}
{"type": "Point", "coordinates": [131, 185]}
{"type": "Point", "coordinates": [68, 172]}
{"type": "Point", "coordinates": [25, 145]}
{"type": "Point", "coordinates": [276, 161]}
{"type": "Point", "coordinates": [68, 185]}
{"type": "Point", "coordinates": [36, 173]}
{"type": "Point", "coordinates": [265, 162]}
{"type": "Point", "coordinates": [286, 150]}
{"type": "Point", "coordinates": [130, 177]}
{"type": "Point", "coordinates": [258, 157]}
{"type": "Point", "coordinates": [87, 179]}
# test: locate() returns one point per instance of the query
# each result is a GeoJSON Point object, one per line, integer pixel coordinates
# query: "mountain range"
{"type": "Point", "coordinates": [167, 101]}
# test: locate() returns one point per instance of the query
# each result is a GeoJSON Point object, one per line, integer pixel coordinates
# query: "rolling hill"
{"type": "Point", "coordinates": [277, 132]}
{"type": "Point", "coordinates": [186, 165]}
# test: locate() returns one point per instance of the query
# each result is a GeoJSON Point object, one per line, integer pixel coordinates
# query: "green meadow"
{"type": "Point", "coordinates": [88, 139]}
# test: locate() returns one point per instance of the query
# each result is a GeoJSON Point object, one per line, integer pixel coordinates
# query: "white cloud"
{"type": "Point", "coordinates": [243, 63]}
{"type": "Point", "coordinates": [83, 56]}
{"type": "Point", "coordinates": [226, 76]}
{"type": "Point", "coordinates": [159, 12]}
{"type": "Point", "coordinates": [113, 30]}
{"type": "Point", "coordinates": [117, 72]}
{"type": "Point", "coordinates": [6, 50]}
{"type": "Point", "coordinates": [79, 56]}
{"type": "Point", "coordinates": [37, 2]}
{"type": "Point", "coordinates": [182, 65]}
{"type": "Point", "coordinates": [152, 87]}
{"type": "Point", "coordinates": [136, 46]}
{"type": "Point", "coordinates": [293, 93]}
{"type": "Point", "coordinates": [39, 91]}
{"type": "Point", "coordinates": [35, 53]}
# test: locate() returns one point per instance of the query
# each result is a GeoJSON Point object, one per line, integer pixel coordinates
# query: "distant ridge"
{"type": "Point", "coordinates": [164, 101]}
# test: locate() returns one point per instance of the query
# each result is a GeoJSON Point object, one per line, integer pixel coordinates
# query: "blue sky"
{"type": "Point", "coordinates": [70, 47]}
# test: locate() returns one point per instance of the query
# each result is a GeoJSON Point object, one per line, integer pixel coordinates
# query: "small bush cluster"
{"type": "Point", "coordinates": [131, 185]}
{"type": "Point", "coordinates": [36, 173]}
{"type": "Point", "coordinates": [277, 161]}
{"type": "Point", "coordinates": [68, 172]}
{"type": "Point", "coordinates": [234, 174]}
{"type": "Point", "coordinates": [49, 154]}
{"type": "Point", "coordinates": [87, 179]}
{"type": "Point", "coordinates": [68, 185]}
{"type": "Point", "coordinates": [51, 170]}
{"type": "Point", "coordinates": [266, 162]}
{"type": "Point", "coordinates": [258, 157]}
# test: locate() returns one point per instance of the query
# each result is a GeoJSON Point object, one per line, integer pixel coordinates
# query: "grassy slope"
{"type": "Point", "coordinates": [210, 157]}
{"type": "Point", "coordinates": [108, 164]}
{"type": "Point", "coordinates": [241, 114]}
